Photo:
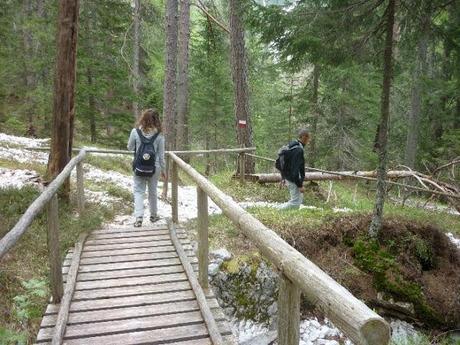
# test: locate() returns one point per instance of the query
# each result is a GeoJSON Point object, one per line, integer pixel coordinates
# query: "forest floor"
{"type": "Point", "coordinates": [321, 230]}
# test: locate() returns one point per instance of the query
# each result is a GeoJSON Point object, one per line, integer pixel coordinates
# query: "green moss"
{"type": "Point", "coordinates": [370, 256]}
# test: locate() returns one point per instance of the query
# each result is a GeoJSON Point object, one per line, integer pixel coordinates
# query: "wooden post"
{"type": "Point", "coordinates": [165, 182]}
{"type": "Point", "coordinates": [54, 250]}
{"type": "Point", "coordinates": [203, 245]}
{"type": "Point", "coordinates": [80, 189]}
{"type": "Point", "coordinates": [288, 312]}
{"type": "Point", "coordinates": [242, 166]}
{"type": "Point", "coordinates": [174, 187]}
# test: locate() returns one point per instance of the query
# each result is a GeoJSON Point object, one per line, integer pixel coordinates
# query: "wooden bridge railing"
{"type": "Point", "coordinates": [48, 198]}
{"type": "Point", "coordinates": [298, 275]}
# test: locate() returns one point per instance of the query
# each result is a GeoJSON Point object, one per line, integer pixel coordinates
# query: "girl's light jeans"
{"type": "Point", "coordinates": [140, 183]}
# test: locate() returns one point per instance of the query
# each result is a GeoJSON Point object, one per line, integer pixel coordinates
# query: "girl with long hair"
{"type": "Point", "coordinates": [149, 124]}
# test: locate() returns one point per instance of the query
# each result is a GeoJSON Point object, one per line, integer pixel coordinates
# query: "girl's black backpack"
{"type": "Point", "coordinates": [144, 158]}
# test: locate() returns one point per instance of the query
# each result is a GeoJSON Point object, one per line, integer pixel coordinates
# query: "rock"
{"type": "Point", "coordinates": [213, 269]}
{"type": "Point", "coordinates": [221, 254]}
{"type": "Point", "coordinates": [261, 339]}
{"type": "Point", "coordinates": [273, 309]}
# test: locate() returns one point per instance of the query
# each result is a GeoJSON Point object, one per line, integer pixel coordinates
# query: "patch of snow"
{"type": "Point", "coordinates": [23, 155]}
{"type": "Point", "coordinates": [17, 178]}
{"type": "Point", "coordinates": [454, 240]}
{"type": "Point", "coordinates": [246, 330]}
{"type": "Point", "coordinates": [403, 333]}
{"type": "Point", "coordinates": [247, 204]}
{"type": "Point", "coordinates": [343, 209]}
{"type": "Point", "coordinates": [101, 198]}
{"type": "Point", "coordinates": [310, 207]}
{"type": "Point", "coordinates": [23, 141]}
{"type": "Point", "coordinates": [98, 175]}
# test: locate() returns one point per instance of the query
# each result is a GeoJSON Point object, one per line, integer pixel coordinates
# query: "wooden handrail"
{"type": "Point", "coordinates": [362, 325]}
{"type": "Point", "coordinates": [128, 152]}
{"type": "Point", "coordinates": [10, 239]}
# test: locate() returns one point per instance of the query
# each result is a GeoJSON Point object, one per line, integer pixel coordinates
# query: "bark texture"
{"type": "Point", "coordinates": [136, 75]}
{"type": "Point", "coordinates": [413, 123]}
{"type": "Point", "coordinates": [314, 122]}
{"type": "Point", "coordinates": [182, 77]}
{"type": "Point", "coordinates": [239, 76]}
{"type": "Point", "coordinates": [169, 90]}
{"type": "Point", "coordinates": [64, 90]}
{"type": "Point", "coordinates": [382, 141]}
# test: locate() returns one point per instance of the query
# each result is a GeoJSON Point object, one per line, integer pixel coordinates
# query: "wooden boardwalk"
{"type": "Point", "coordinates": [131, 288]}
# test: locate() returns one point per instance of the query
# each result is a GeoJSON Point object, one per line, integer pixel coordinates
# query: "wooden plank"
{"type": "Point", "coordinates": [128, 245]}
{"type": "Point", "coordinates": [128, 301]}
{"type": "Point", "coordinates": [134, 272]}
{"type": "Point", "coordinates": [200, 296]}
{"type": "Point", "coordinates": [108, 235]}
{"type": "Point", "coordinates": [131, 291]}
{"type": "Point", "coordinates": [57, 333]}
{"type": "Point", "coordinates": [128, 251]}
{"type": "Point", "coordinates": [121, 326]}
{"type": "Point", "coordinates": [127, 258]}
{"type": "Point", "coordinates": [158, 336]}
{"type": "Point", "coordinates": [117, 282]}
{"type": "Point", "coordinates": [127, 240]}
{"type": "Point", "coordinates": [123, 313]}
{"type": "Point", "coordinates": [131, 229]}
{"type": "Point", "coordinates": [128, 265]}
{"type": "Point", "coordinates": [131, 273]}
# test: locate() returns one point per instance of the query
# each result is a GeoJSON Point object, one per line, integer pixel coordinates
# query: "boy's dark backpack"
{"type": "Point", "coordinates": [284, 156]}
{"type": "Point", "coordinates": [144, 157]}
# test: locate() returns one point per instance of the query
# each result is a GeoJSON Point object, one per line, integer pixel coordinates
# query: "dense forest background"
{"type": "Point", "coordinates": [315, 63]}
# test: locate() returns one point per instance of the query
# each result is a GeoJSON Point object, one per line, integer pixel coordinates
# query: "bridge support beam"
{"type": "Point", "coordinates": [54, 251]}
{"type": "Point", "coordinates": [288, 312]}
{"type": "Point", "coordinates": [80, 189]}
{"type": "Point", "coordinates": [174, 187]}
{"type": "Point", "coordinates": [203, 245]}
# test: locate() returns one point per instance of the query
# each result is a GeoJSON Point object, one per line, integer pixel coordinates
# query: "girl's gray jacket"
{"type": "Point", "coordinates": [134, 142]}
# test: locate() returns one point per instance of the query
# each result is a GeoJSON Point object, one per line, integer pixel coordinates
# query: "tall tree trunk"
{"type": "Point", "coordinates": [376, 223]}
{"type": "Point", "coordinates": [136, 76]}
{"type": "Point", "coordinates": [91, 106]}
{"type": "Point", "coordinates": [169, 91]}
{"type": "Point", "coordinates": [29, 74]}
{"type": "Point", "coordinates": [182, 77]}
{"type": "Point", "coordinates": [416, 98]}
{"type": "Point", "coordinates": [239, 76]}
{"type": "Point", "coordinates": [315, 118]}
{"type": "Point", "coordinates": [64, 90]}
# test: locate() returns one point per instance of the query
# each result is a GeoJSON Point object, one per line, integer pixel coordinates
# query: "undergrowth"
{"type": "Point", "coordinates": [24, 269]}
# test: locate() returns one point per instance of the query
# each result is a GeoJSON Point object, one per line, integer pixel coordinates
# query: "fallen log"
{"type": "Point", "coordinates": [321, 176]}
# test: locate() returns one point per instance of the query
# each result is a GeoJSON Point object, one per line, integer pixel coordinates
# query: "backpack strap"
{"type": "Point", "coordinates": [146, 140]}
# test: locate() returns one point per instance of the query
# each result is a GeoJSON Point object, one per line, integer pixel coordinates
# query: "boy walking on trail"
{"type": "Point", "coordinates": [293, 171]}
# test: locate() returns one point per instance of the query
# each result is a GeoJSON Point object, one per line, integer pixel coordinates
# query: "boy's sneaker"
{"type": "Point", "coordinates": [138, 223]}
{"type": "Point", "coordinates": [154, 219]}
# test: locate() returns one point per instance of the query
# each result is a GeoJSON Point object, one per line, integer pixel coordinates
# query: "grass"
{"type": "Point", "coordinates": [39, 168]}
{"type": "Point", "coordinates": [121, 164]}
{"type": "Point", "coordinates": [24, 270]}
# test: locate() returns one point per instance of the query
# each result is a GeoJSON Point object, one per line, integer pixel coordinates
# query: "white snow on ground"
{"type": "Point", "coordinates": [17, 178]}
{"type": "Point", "coordinates": [314, 332]}
{"type": "Point", "coordinates": [101, 198]}
{"type": "Point", "coordinates": [454, 240]}
{"type": "Point", "coordinates": [23, 155]}
{"type": "Point", "coordinates": [28, 142]}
